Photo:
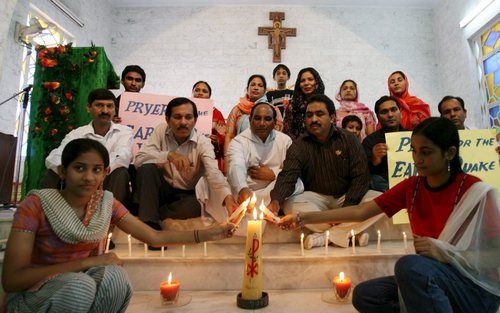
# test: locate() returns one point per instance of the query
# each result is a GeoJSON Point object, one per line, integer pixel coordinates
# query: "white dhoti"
{"type": "Point", "coordinates": [310, 201]}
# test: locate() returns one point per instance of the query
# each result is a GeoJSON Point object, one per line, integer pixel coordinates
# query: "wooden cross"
{"type": "Point", "coordinates": [276, 34]}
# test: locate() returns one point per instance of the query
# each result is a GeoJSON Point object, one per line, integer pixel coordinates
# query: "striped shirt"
{"type": "Point", "coordinates": [336, 167]}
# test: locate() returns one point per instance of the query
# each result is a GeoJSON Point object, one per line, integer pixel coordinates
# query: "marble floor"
{"type": "Point", "coordinates": [289, 301]}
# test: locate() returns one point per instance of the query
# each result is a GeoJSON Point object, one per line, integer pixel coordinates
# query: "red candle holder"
{"type": "Point", "coordinates": [170, 291]}
{"type": "Point", "coordinates": [342, 286]}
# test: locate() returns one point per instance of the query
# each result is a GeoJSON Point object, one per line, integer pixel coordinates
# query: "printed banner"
{"type": "Point", "coordinates": [143, 112]}
{"type": "Point", "coordinates": [477, 152]}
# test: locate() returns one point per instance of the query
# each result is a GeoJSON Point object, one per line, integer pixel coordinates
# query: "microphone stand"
{"type": "Point", "coordinates": [20, 135]}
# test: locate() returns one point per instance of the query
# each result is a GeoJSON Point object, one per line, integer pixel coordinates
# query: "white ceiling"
{"type": "Point", "coordinates": [386, 3]}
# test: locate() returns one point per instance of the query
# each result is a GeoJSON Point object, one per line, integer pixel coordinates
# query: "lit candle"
{"type": "Point", "coordinates": [205, 253]}
{"type": "Point", "coordinates": [302, 244]}
{"type": "Point", "coordinates": [342, 285]}
{"type": "Point", "coordinates": [239, 213]}
{"type": "Point", "coordinates": [327, 241]}
{"type": "Point", "coordinates": [405, 242]}
{"type": "Point", "coordinates": [170, 289]}
{"type": "Point", "coordinates": [353, 241]}
{"type": "Point", "coordinates": [162, 251]}
{"type": "Point", "coordinates": [129, 239]}
{"type": "Point", "coordinates": [253, 200]}
{"type": "Point", "coordinates": [183, 251]}
{"type": "Point", "coordinates": [108, 241]}
{"type": "Point", "coordinates": [145, 250]}
{"type": "Point", "coordinates": [252, 276]}
{"type": "Point", "coordinates": [268, 212]}
{"type": "Point", "coordinates": [379, 248]}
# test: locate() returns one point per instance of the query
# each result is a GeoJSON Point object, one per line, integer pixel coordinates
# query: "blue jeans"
{"type": "Point", "coordinates": [379, 183]}
{"type": "Point", "coordinates": [427, 286]}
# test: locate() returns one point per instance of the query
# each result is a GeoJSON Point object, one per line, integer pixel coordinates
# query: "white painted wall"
{"type": "Point", "coordinates": [179, 45]}
{"type": "Point", "coordinates": [458, 72]}
{"type": "Point", "coordinates": [96, 15]}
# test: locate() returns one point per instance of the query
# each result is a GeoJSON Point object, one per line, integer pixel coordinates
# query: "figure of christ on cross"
{"type": "Point", "coordinates": [277, 35]}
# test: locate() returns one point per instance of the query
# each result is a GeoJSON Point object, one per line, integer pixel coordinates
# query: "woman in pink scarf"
{"type": "Point", "coordinates": [349, 105]}
{"type": "Point", "coordinates": [413, 110]}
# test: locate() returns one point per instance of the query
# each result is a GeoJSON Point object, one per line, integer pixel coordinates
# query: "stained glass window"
{"type": "Point", "coordinates": [490, 61]}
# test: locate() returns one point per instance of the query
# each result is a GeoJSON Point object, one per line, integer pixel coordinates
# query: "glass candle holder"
{"type": "Point", "coordinates": [342, 287]}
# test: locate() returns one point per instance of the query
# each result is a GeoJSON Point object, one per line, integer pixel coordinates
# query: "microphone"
{"type": "Point", "coordinates": [27, 88]}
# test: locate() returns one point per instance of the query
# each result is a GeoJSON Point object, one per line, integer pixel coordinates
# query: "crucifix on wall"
{"type": "Point", "coordinates": [276, 35]}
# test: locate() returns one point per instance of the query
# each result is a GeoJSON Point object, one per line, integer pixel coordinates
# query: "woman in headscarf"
{"type": "Point", "coordinates": [203, 90]}
{"type": "Point", "coordinates": [348, 98]}
{"type": "Point", "coordinates": [308, 83]}
{"type": "Point", "coordinates": [238, 119]}
{"type": "Point", "coordinates": [413, 110]}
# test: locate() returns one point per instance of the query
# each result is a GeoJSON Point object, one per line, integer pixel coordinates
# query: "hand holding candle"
{"type": "Point", "coordinates": [267, 212]}
{"type": "Point", "coordinates": [170, 289]}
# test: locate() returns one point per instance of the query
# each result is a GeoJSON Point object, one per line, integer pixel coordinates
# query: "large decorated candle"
{"type": "Point", "coordinates": [252, 276]}
{"type": "Point", "coordinates": [169, 289]}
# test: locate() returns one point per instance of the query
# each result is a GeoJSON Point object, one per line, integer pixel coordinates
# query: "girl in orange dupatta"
{"type": "Point", "coordinates": [413, 110]}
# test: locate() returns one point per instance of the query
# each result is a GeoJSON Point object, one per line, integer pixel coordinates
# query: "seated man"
{"type": "Point", "coordinates": [256, 157]}
{"type": "Point", "coordinates": [332, 165]}
{"type": "Point", "coordinates": [171, 163]}
{"type": "Point", "coordinates": [389, 117]}
{"type": "Point", "coordinates": [453, 108]}
{"type": "Point", "coordinates": [118, 139]}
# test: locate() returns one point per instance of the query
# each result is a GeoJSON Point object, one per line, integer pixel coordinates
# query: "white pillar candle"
{"type": "Point", "coordinates": [353, 240]}
{"type": "Point", "coordinates": [405, 242]}
{"type": "Point", "coordinates": [162, 251]}
{"type": "Point", "coordinates": [129, 239]}
{"type": "Point", "coordinates": [145, 250]}
{"type": "Point", "coordinates": [379, 248]}
{"type": "Point", "coordinates": [108, 241]}
{"type": "Point", "coordinates": [327, 241]}
{"type": "Point", "coordinates": [302, 244]}
{"type": "Point", "coordinates": [205, 253]}
{"type": "Point", "coordinates": [183, 251]}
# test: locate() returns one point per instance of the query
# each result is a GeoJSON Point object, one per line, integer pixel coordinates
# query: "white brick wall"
{"type": "Point", "coordinates": [457, 64]}
{"type": "Point", "coordinates": [96, 14]}
{"type": "Point", "coordinates": [180, 45]}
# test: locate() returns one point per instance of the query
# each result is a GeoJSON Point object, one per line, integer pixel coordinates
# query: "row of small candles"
{"type": "Point", "coordinates": [129, 238]}
{"type": "Point", "coordinates": [353, 240]}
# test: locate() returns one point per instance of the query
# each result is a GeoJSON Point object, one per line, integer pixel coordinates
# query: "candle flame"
{"type": "Point", "coordinates": [254, 214]}
{"type": "Point", "coordinates": [128, 236]}
{"type": "Point", "coordinates": [352, 232]}
{"type": "Point", "coordinates": [404, 234]}
{"type": "Point", "coordinates": [169, 280]}
{"type": "Point", "coordinates": [262, 207]}
{"type": "Point", "coordinates": [327, 234]}
{"type": "Point", "coordinates": [302, 236]}
{"type": "Point", "coordinates": [109, 236]}
{"type": "Point", "coordinates": [261, 215]}
{"type": "Point", "coordinates": [253, 200]}
{"type": "Point", "coordinates": [341, 276]}
{"type": "Point", "coordinates": [378, 232]}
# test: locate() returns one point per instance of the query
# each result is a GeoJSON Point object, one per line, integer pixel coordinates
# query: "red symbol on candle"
{"type": "Point", "coordinates": [253, 266]}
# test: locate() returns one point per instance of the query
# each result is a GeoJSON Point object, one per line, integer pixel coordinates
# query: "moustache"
{"type": "Point", "coordinates": [315, 124]}
{"type": "Point", "coordinates": [104, 114]}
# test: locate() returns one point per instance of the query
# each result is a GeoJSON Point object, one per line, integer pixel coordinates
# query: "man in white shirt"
{"type": "Point", "coordinates": [256, 155]}
{"type": "Point", "coordinates": [170, 164]}
{"type": "Point", "coordinates": [117, 139]}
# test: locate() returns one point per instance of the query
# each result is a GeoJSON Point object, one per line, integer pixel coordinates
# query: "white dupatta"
{"type": "Point", "coordinates": [470, 240]}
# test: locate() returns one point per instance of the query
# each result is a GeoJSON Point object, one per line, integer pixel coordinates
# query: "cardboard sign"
{"type": "Point", "coordinates": [143, 112]}
{"type": "Point", "coordinates": [477, 153]}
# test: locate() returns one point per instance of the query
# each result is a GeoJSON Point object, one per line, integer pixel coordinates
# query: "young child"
{"type": "Point", "coordinates": [455, 219]}
{"type": "Point", "coordinates": [353, 124]}
{"type": "Point", "coordinates": [55, 259]}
